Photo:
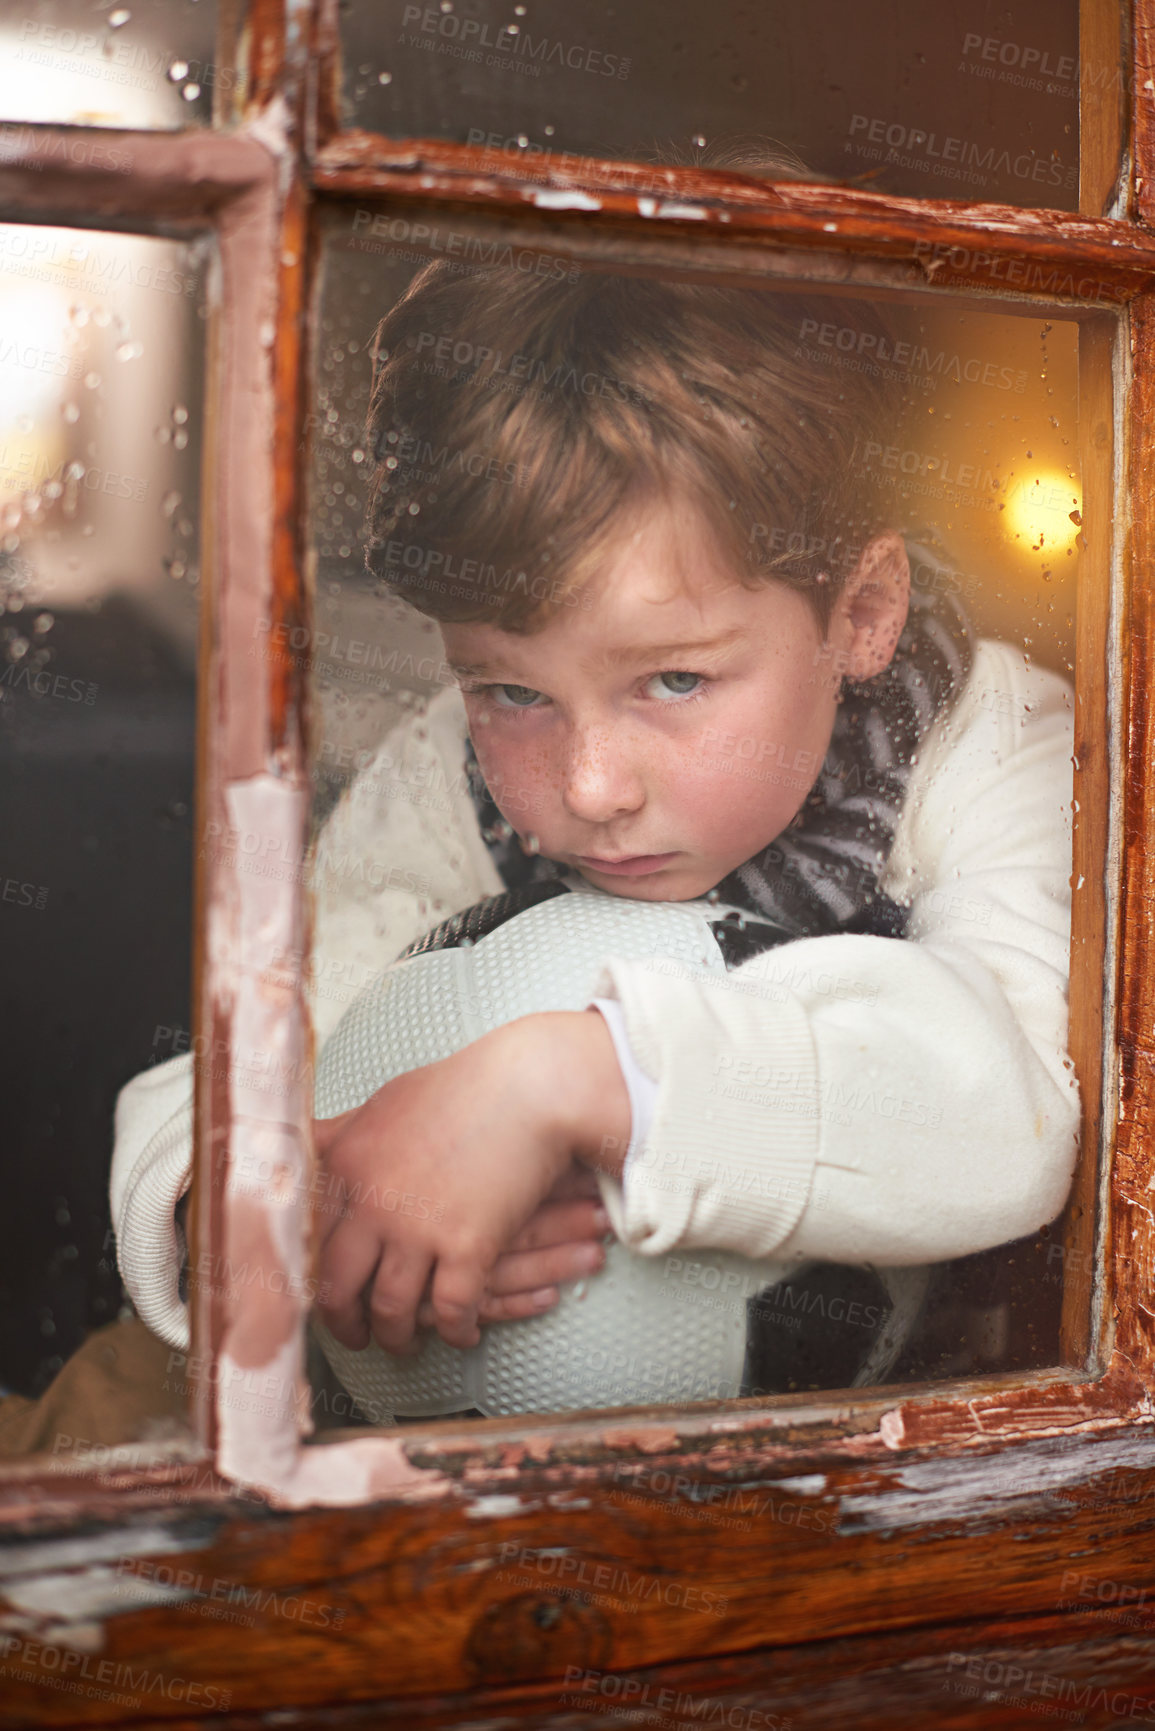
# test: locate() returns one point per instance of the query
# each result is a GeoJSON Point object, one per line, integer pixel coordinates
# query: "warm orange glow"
{"type": "Point", "coordinates": [1043, 513]}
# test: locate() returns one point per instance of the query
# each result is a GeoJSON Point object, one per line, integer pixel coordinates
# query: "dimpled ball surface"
{"type": "Point", "coordinates": [631, 1333]}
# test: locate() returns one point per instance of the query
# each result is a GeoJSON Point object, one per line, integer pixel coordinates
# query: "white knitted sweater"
{"type": "Point", "coordinates": [846, 1098]}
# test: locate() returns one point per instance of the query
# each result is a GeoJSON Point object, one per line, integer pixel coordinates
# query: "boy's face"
{"type": "Point", "coordinates": [669, 728]}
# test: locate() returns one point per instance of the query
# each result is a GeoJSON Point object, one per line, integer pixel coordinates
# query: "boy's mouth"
{"type": "Point", "coordinates": [637, 865]}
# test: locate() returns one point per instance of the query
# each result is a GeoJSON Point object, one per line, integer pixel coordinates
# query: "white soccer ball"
{"type": "Point", "coordinates": [643, 1329]}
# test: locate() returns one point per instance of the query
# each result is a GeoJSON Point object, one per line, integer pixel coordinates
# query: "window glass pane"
{"type": "Point", "coordinates": [953, 101]}
{"type": "Point", "coordinates": [102, 362]}
{"type": "Point", "coordinates": [150, 63]}
{"type": "Point", "coordinates": [667, 536]}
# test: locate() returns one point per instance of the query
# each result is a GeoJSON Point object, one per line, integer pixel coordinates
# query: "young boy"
{"type": "Point", "coordinates": [686, 665]}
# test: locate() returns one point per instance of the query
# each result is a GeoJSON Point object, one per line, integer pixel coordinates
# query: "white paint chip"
{"type": "Point", "coordinates": [89, 1593]}
{"type": "Point", "coordinates": [34, 1558]}
{"type": "Point", "coordinates": [495, 1508]}
{"type": "Point", "coordinates": [548, 199]}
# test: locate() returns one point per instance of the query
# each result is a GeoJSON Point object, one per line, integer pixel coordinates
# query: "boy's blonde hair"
{"type": "Point", "coordinates": [514, 418]}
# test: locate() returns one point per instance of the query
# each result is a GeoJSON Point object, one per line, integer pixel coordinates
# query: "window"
{"type": "Point", "coordinates": [951, 420]}
{"type": "Point", "coordinates": [101, 481]}
{"type": "Point", "coordinates": [275, 204]}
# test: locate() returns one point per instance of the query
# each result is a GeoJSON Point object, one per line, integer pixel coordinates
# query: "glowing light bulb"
{"type": "Point", "coordinates": [1043, 512]}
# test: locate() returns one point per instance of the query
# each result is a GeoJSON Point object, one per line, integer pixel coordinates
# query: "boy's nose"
{"type": "Point", "coordinates": [600, 782]}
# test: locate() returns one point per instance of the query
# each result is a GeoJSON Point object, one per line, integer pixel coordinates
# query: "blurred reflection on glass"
{"type": "Point", "coordinates": [955, 101]}
{"type": "Point", "coordinates": [978, 469]}
{"type": "Point", "coordinates": [100, 431]}
{"type": "Point", "coordinates": [150, 64]}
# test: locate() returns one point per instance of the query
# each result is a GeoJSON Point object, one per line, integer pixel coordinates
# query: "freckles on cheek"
{"type": "Point", "coordinates": [515, 773]}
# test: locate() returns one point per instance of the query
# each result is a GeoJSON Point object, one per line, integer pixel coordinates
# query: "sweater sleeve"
{"type": "Point", "coordinates": [400, 851]}
{"type": "Point", "coordinates": [864, 1099]}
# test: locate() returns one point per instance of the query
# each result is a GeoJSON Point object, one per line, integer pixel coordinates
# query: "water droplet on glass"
{"type": "Point", "coordinates": [92, 381]}
{"type": "Point", "coordinates": [180, 439]}
{"type": "Point", "coordinates": [178, 71]}
{"type": "Point", "coordinates": [129, 351]}
{"type": "Point", "coordinates": [119, 17]}
{"type": "Point", "coordinates": [169, 503]}
{"type": "Point", "coordinates": [384, 78]}
{"type": "Point", "coordinates": [43, 622]}
{"type": "Point", "coordinates": [180, 414]}
{"type": "Point", "coordinates": [191, 92]}
{"type": "Point", "coordinates": [531, 843]}
{"type": "Point", "coordinates": [79, 316]}
{"type": "Point", "coordinates": [71, 413]}
{"type": "Point", "coordinates": [699, 140]}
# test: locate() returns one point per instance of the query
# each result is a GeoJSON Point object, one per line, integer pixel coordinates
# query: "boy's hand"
{"type": "Point", "coordinates": [444, 1166]}
{"type": "Point", "coordinates": [562, 1240]}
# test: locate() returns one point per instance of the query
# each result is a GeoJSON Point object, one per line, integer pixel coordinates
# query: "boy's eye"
{"type": "Point", "coordinates": [673, 684]}
{"type": "Point", "coordinates": [514, 696]}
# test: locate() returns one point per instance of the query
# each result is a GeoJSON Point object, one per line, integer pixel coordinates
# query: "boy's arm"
{"type": "Point", "coordinates": [867, 1099]}
{"type": "Point", "coordinates": [151, 1171]}
{"type": "Point", "coordinates": [475, 1142]}
{"type": "Point", "coordinates": [409, 804]}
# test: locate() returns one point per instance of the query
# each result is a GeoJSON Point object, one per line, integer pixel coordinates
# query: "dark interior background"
{"type": "Point", "coordinates": [668, 80]}
{"type": "Point", "coordinates": [97, 804]}
{"type": "Point", "coordinates": [99, 483]}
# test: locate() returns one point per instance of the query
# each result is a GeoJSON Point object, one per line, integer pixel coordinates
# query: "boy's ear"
{"type": "Point", "coordinates": [871, 610]}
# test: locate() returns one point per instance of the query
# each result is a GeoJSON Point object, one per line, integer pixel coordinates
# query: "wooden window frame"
{"type": "Point", "coordinates": [998, 1478]}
